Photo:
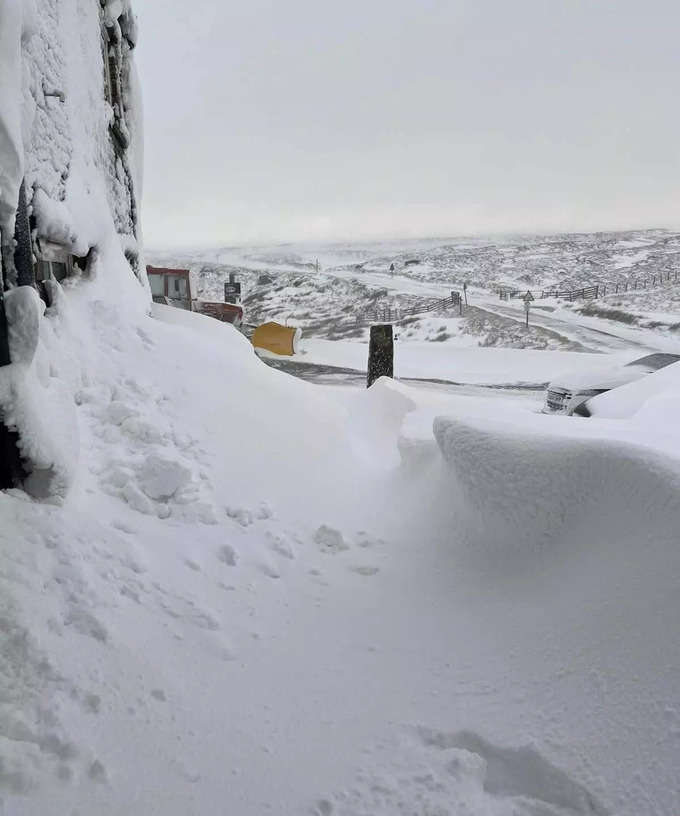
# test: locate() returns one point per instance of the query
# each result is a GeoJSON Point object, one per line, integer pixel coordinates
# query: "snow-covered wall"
{"type": "Point", "coordinates": [77, 142]}
{"type": "Point", "coordinates": [70, 132]}
{"type": "Point", "coordinates": [11, 148]}
{"type": "Point", "coordinates": [70, 119]}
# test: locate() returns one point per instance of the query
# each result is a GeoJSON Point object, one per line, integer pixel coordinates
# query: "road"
{"type": "Point", "coordinates": [582, 330]}
{"type": "Point", "coordinates": [334, 375]}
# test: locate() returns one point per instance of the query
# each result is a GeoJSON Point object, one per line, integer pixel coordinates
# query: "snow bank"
{"type": "Point", "coordinates": [34, 400]}
{"type": "Point", "coordinates": [521, 487]}
{"type": "Point", "coordinates": [375, 420]}
{"type": "Point", "coordinates": [229, 524]}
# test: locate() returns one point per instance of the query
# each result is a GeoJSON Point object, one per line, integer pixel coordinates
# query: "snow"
{"type": "Point", "coordinates": [659, 389]}
{"type": "Point", "coordinates": [11, 148]}
{"type": "Point", "coordinates": [55, 222]}
{"type": "Point", "coordinates": [48, 438]}
{"type": "Point", "coordinates": [231, 591]}
{"type": "Point", "coordinates": [481, 366]}
{"type": "Point", "coordinates": [262, 595]}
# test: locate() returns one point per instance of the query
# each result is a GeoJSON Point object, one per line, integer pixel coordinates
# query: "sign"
{"type": "Point", "coordinates": [232, 292]}
{"type": "Point", "coordinates": [528, 297]}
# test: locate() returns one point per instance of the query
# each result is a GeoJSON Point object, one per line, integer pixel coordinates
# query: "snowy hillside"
{"type": "Point", "coordinates": [283, 284]}
{"type": "Point", "coordinates": [568, 261]}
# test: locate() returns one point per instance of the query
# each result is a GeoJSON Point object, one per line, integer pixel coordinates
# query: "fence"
{"type": "Point", "coordinates": [591, 292]}
{"type": "Point", "coordinates": [389, 314]}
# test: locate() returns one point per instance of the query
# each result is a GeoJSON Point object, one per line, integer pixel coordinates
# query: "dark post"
{"type": "Point", "coordinates": [11, 471]}
{"type": "Point", "coordinates": [380, 353]}
{"type": "Point", "coordinates": [4, 332]}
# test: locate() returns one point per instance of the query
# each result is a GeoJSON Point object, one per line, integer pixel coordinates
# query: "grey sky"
{"type": "Point", "coordinates": [297, 120]}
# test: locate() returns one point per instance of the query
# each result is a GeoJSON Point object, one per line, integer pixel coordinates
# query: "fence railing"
{"type": "Point", "coordinates": [389, 314]}
{"type": "Point", "coordinates": [598, 290]}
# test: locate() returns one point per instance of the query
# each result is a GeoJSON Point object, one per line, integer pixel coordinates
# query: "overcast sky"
{"type": "Point", "coordinates": [277, 120]}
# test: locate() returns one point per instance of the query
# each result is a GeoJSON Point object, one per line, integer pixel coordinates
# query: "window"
{"type": "Point", "coordinates": [157, 285]}
{"type": "Point", "coordinates": [42, 271]}
{"type": "Point", "coordinates": [177, 287]}
{"type": "Point", "coordinates": [57, 268]}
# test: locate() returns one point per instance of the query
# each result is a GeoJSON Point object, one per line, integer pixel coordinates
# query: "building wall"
{"type": "Point", "coordinates": [70, 172]}
{"type": "Point", "coordinates": [78, 146]}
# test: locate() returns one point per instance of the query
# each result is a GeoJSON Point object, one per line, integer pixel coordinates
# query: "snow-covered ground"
{"type": "Point", "coordinates": [469, 365]}
{"type": "Point", "coordinates": [226, 590]}
{"type": "Point", "coordinates": [266, 596]}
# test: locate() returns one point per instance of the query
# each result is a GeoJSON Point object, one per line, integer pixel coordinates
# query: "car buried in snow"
{"type": "Point", "coordinates": [570, 394]}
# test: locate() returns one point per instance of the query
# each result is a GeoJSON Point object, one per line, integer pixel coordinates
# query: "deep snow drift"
{"type": "Point", "coordinates": [263, 596]}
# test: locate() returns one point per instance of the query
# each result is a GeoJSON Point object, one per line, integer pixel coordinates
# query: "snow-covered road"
{"type": "Point", "coordinates": [598, 335]}
{"type": "Point", "coordinates": [592, 333]}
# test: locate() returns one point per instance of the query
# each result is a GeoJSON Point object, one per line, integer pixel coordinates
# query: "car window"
{"type": "Point", "coordinates": [655, 361]}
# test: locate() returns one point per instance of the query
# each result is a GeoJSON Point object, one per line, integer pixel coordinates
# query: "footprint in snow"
{"type": "Point", "coordinates": [240, 515]}
{"type": "Point", "coordinates": [227, 555]}
{"type": "Point", "coordinates": [97, 772]}
{"type": "Point", "coordinates": [366, 540]}
{"type": "Point", "coordinates": [86, 624]}
{"type": "Point", "coordinates": [269, 570]}
{"type": "Point", "coordinates": [460, 772]}
{"type": "Point", "coordinates": [280, 545]}
{"type": "Point", "coordinates": [192, 565]}
{"type": "Point", "coordinates": [329, 540]}
{"type": "Point", "coordinates": [362, 570]}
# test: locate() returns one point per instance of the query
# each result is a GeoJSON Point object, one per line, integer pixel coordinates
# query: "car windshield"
{"type": "Point", "coordinates": [656, 361]}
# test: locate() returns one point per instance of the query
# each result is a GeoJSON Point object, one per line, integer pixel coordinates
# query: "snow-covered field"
{"type": "Point", "coordinates": [267, 596]}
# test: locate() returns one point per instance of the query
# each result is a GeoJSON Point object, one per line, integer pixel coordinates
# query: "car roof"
{"type": "Point", "coordinates": [656, 361]}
